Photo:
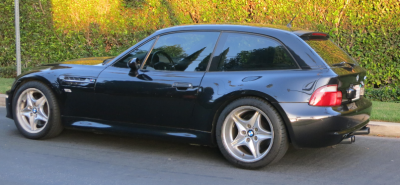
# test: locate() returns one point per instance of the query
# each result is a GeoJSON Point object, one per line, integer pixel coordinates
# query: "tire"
{"type": "Point", "coordinates": [251, 134]}
{"type": "Point", "coordinates": [33, 104]}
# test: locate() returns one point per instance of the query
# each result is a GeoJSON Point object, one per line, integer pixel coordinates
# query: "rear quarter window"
{"type": "Point", "coordinates": [245, 52]}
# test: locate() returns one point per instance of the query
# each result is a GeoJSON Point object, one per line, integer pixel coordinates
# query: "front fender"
{"type": "Point", "coordinates": [20, 80]}
{"type": "Point", "coordinates": [49, 74]}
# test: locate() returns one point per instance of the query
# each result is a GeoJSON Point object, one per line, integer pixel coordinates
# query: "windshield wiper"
{"type": "Point", "coordinates": [342, 64]}
{"type": "Point", "coordinates": [107, 60]}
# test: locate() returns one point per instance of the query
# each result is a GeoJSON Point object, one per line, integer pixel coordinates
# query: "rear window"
{"type": "Point", "coordinates": [330, 52]}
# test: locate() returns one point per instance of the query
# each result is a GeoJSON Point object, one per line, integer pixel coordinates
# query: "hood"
{"type": "Point", "coordinates": [87, 61]}
{"type": "Point", "coordinates": [81, 64]}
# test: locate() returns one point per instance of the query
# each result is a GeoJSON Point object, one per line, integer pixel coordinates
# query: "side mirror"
{"type": "Point", "coordinates": [134, 64]}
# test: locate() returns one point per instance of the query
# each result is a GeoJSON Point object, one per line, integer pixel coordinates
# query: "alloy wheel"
{"type": "Point", "coordinates": [247, 134]}
{"type": "Point", "coordinates": [32, 110]}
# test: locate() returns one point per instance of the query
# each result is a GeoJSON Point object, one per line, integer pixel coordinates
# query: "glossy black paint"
{"type": "Point", "coordinates": [125, 101]}
{"type": "Point", "coordinates": [324, 126]}
{"type": "Point", "coordinates": [148, 98]}
{"type": "Point", "coordinates": [120, 128]}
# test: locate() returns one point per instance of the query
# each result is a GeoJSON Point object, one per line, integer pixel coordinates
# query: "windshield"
{"type": "Point", "coordinates": [330, 52]}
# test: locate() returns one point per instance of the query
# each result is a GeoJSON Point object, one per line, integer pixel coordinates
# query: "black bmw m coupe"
{"type": "Point", "coordinates": [248, 89]}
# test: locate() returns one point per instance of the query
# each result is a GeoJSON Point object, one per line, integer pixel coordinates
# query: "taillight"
{"type": "Point", "coordinates": [326, 96]}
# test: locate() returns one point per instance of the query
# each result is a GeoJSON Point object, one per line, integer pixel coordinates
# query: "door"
{"type": "Point", "coordinates": [164, 91]}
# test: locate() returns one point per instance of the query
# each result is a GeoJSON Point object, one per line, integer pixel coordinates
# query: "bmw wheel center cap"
{"type": "Point", "coordinates": [250, 133]}
{"type": "Point", "coordinates": [34, 110]}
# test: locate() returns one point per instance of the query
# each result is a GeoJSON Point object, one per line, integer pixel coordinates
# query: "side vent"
{"type": "Point", "coordinates": [77, 81]}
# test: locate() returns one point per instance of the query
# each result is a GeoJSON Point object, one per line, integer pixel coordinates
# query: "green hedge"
{"type": "Point", "coordinates": [57, 30]}
{"type": "Point", "coordinates": [386, 94]}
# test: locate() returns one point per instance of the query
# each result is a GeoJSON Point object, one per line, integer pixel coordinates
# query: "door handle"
{"type": "Point", "coordinates": [182, 85]}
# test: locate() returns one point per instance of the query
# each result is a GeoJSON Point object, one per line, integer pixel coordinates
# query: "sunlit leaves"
{"type": "Point", "coordinates": [58, 30]}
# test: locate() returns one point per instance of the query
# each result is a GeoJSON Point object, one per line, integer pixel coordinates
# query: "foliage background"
{"type": "Point", "coordinates": [58, 30]}
{"type": "Point", "coordinates": [384, 94]}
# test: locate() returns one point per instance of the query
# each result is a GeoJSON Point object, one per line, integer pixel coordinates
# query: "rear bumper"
{"type": "Point", "coordinates": [325, 126]}
{"type": "Point", "coordinates": [8, 105]}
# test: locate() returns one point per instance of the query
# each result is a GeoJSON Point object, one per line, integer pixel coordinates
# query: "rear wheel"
{"type": "Point", "coordinates": [251, 134]}
{"type": "Point", "coordinates": [36, 112]}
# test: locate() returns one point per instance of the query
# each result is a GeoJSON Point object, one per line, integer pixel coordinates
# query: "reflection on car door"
{"type": "Point", "coordinates": [165, 90]}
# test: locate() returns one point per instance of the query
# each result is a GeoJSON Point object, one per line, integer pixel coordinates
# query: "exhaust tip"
{"type": "Point", "coordinates": [348, 140]}
{"type": "Point", "coordinates": [363, 131]}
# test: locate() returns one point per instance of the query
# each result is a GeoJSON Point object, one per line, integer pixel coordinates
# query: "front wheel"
{"type": "Point", "coordinates": [36, 112]}
{"type": "Point", "coordinates": [251, 134]}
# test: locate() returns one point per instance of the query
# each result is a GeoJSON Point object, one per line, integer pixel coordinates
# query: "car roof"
{"type": "Point", "coordinates": [246, 27]}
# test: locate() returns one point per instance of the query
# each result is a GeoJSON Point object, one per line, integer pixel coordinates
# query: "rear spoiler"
{"type": "Point", "coordinates": [309, 35]}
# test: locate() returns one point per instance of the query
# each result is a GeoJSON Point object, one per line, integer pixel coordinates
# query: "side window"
{"type": "Point", "coordinates": [244, 52]}
{"type": "Point", "coordinates": [139, 53]}
{"type": "Point", "coordinates": [189, 51]}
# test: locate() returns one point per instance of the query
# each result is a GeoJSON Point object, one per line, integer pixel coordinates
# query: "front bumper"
{"type": "Point", "coordinates": [8, 105]}
{"type": "Point", "coordinates": [312, 126]}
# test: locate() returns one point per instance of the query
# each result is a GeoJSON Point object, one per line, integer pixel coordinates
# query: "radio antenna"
{"type": "Point", "coordinates": [289, 25]}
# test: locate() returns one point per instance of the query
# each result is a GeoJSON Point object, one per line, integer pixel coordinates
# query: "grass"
{"type": "Point", "coordinates": [5, 84]}
{"type": "Point", "coordinates": [385, 111]}
{"type": "Point", "coordinates": [381, 111]}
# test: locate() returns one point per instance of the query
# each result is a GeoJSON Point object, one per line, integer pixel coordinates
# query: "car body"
{"type": "Point", "coordinates": [95, 95]}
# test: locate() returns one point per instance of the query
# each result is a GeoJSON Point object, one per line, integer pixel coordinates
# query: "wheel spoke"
{"type": "Point", "coordinates": [42, 117]}
{"type": "Point", "coordinates": [26, 112]}
{"type": "Point", "coordinates": [240, 123]}
{"type": "Point", "coordinates": [32, 122]}
{"type": "Point", "coordinates": [29, 99]}
{"type": "Point", "coordinates": [41, 112]}
{"type": "Point", "coordinates": [40, 102]}
{"type": "Point", "coordinates": [253, 146]}
{"type": "Point", "coordinates": [255, 119]}
{"type": "Point", "coordinates": [263, 135]}
{"type": "Point", "coordinates": [239, 141]}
